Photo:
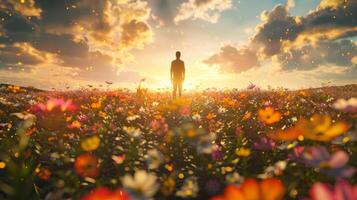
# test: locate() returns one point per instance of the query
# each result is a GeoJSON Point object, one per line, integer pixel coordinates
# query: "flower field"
{"type": "Point", "coordinates": [219, 145]}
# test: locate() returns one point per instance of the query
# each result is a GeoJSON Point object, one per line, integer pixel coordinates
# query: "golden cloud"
{"type": "Point", "coordinates": [208, 10]}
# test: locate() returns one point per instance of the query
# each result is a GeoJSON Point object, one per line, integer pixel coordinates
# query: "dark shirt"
{"type": "Point", "coordinates": [177, 70]}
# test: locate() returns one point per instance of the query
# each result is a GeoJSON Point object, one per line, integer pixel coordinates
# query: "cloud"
{"type": "Point", "coordinates": [321, 38]}
{"type": "Point", "coordinates": [26, 8]}
{"type": "Point", "coordinates": [208, 10]}
{"type": "Point", "coordinates": [323, 53]}
{"type": "Point", "coordinates": [232, 59]}
{"type": "Point", "coordinates": [78, 34]}
{"type": "Point", "coordinates": [19, 55]}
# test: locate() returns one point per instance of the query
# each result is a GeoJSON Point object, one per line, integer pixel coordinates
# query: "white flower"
{"type": "Point", "coordinates": [222, 110]}
{"type": "Point", "coordinates": [132, 131]}
{"type": "Point", "coordinates": [132, 118]}
{"type": "Point", "coordinates": [142, 183]}
{"type": "Point", "coordinates": [154, 158]}
{"type": "Point", "coordinates": [196, 117]}
{"type": "Point", "coordinates": [189, 188]}
{"type": "Point", "coordinates": [346, 105]}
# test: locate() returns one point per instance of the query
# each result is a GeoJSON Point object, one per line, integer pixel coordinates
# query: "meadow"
{"type": "Point", "coordinates": [214, 144]}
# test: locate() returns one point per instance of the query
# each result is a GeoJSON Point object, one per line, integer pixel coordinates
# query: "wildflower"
{"type": "Point", "coordinates": [189, 188]}
{"type": "Point", "coordinates": [247, 115]}
{"type": "Point", "coordinates": [243, 152]}
{"type": "Point", "coordinates": [159, 125]}
{"type": "Point", "coordinates": [321, 128]}
{"type": "Point", "coordinates": [318, 128]}
{"type": "Point", "coordinates": [87, 165]}
{"type": "Point", "coordinates": [216, 153]}
{"type": "Point", "coordinates": [141, 184]}
{"type": "Point", "coordinates": [341, 191]}
{"type": "Point", "coordinates": [196, 117]}
{"type": "Point", "coordinates": [55, 104]}
{"type": "Point", "coordinates": [154, 158]}
{"type": "Point", "coordinates": [168, 186]}
{"type": "Point", "coordinates": [296, 153]}
{"type": "Point", "coordinates": [44, 173]}
{"type": "Point", "coordinates": [103, 193]}
{"type": "Point", "coordinates": [90, 143]}
{"type": "Point", "coordinates": [132, 131]}
{"type": "Point", "coordinates": [234, 178]}
{"type": "Point", "coordinates": [264, 143]}
{"type": "Point", "coordinates": [268, 115]}
{"type": "Point", "coordinates": [75, 124]}
{"type": "Point", "coordinates": [288, 134]}
{"type": "Point", "coordinates": [348, 106]}
{"type": "Point", "coordinates": [185, 111]}
{"type": "Point", "coordinates": [274, 170]}
{"type": "Point", "coordinates": [333, 165]}
{"type": "Point", "coordinates": [118, 159]}
{"type": "Point", "coordinates": [250, 189]}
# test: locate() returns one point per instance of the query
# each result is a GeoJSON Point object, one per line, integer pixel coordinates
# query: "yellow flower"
{"type": "Point", "coordinates": [321, 128]}
{"type": "Point", "coordinates": [244, 152]}
{"type": "Point", "coordinates": [91, 143]}
{"type": "Point", "coordinates": [96, 105]}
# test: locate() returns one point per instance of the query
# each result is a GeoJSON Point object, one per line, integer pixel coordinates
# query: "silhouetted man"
{"type": "Point", "coordinates": [177, 74]}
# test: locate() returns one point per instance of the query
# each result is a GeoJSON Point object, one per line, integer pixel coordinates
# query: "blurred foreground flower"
{"type": "Point", "coordinates": [317, 128]}
{"type": "Point", "coordinates": [87, 165]}
{"type": "Point", "coordinates": [154, 158]}
{"type": "Point", "coordinates": [341, 191]}
{"type": "Point", "coordinates": [103, 193]}
{"type": "Point", "coordinates": [321, 128]}
{"type": "Point", "coordinates": [142, 184]}
{"type": "Point", "coordinates": [250, 189]}
{"type": "Point", "coordinates": [55, 104]}
{"type": "Point", "coordinates": [349, 106]}
{"type": "Point", "coordinates": [52, 114]}
{"type": "Point", "coordinates": [333, 165]}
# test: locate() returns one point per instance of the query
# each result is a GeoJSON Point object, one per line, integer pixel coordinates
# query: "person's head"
{"type": "Point", "coordinates": [178, 55]}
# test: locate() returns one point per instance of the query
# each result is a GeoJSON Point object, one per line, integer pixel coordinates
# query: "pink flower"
{"type": "Point", "coordinates": [185, 111]}
{"type": "Point", "coordinates": [341, 191]}
{"type": "Point", "coordinates": [159, 125]}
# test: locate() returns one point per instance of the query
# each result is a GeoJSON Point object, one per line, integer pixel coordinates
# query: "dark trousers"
{"type": "Point", "coordinates": [177, 85]}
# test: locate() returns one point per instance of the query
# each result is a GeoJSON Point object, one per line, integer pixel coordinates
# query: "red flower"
{"type": "Point", "coordinates": [87, 165]}
{"type": "Point", "coordinates": [103, 193]}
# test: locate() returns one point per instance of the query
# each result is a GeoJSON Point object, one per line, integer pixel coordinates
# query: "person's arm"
{"type": "Point", "coordinates": [183, 71]}
{"type": "Point", "coordinates": [171, 71]}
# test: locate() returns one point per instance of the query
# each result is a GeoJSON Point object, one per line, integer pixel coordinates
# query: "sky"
{"type": "Point", "coordinates": [224, 43]}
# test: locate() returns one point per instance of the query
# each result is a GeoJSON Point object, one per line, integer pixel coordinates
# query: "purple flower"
{"type": "Point", "coordinates": [333, 165]}
{"type": "Point", "coordinates": [216, 153]}
{"type": "Point", "coordinates": [296, 153]}
{"type": "Point", "coordinates": [264, 144]}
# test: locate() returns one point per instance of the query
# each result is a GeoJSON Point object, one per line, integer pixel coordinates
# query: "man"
{"type": "Point", "coordinates": [177, 74]}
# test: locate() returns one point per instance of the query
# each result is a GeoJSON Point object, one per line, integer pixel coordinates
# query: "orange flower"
{"type": "Point", "coordinates": [250, 189]}
{"type": "Point", "coordinates": [103, 193]}
{"type": "Point", "coordinates": [289, 134]}
{"type": "Point", "coordinates": [87, 165]}
{"type": "Point", "coordinates": [317, 128]}
{"type": "Point", "coordinates": [268, 115]}
{"type": "Point", "coordinates": [321, 128]}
